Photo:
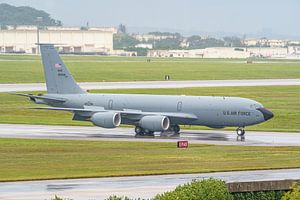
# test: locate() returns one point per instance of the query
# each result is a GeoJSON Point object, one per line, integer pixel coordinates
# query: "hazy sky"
{"type": "Point", "coordinates": [275, 17]}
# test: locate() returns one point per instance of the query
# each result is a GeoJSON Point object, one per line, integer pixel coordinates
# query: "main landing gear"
{"type": "Point", "coordinates": [174, 130]}
{"type": "Point", "coordinates": [140, 132]}
{"type": "Point", "coordinates": [240, 134]}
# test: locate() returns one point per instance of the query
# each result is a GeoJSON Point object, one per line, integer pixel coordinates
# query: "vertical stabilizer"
{"type": "Point", "coordinates": [58, 78]}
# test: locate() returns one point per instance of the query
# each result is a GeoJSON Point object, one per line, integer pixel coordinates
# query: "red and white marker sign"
{"type": "Point", "coordinates": [182, 144]}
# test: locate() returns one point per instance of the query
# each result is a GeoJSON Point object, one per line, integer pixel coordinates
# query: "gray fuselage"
{"type": "Point", "coordinates": [215, 112]}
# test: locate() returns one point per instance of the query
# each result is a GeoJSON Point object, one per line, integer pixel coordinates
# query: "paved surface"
{"type": "Point", "coordinates": [155, 84]}
{"type": "Point", "coordinates": [219, 137]}
{"type": "Point", "coordinates": [135, 186]}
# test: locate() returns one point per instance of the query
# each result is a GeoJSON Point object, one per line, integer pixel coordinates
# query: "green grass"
{"type": "Point", "coordinates": [27, 69]}
{"type": "Point", "coordinates": [282, 100]}
{"type": "Point", "coordinates": [26, 159]}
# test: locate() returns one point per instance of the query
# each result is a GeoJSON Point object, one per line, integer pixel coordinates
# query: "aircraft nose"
{"type": "Point", "coordinates": [266, 113]}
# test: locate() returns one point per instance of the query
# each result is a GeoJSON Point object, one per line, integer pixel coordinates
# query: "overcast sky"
{"type": "Point", "coordinates": [273, 17]}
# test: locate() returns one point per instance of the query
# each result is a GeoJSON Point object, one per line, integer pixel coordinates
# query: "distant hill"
{"type": "Point", "coordinates": [24, 15]}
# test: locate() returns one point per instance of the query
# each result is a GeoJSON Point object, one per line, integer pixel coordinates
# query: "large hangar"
{"type": "Point", "coordinates": [23, 39]}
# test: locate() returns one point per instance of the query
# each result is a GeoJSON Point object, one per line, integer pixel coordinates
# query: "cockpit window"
{"type": "Point", "coordinates": [255, 106]}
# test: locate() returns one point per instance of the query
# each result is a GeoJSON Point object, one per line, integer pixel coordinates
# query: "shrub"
{"type": "Point", "coordinates": [266, 195]}
{"type": "Point", "coordinates": [59, 198]}
{"type": "Point", "coordinates": [117, 198]}
{"type": "Point", "coordinates": [294, 194]}
{"type": "Point", "coordinates": [207, 189]}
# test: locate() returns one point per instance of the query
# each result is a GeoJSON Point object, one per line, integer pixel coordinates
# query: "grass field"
{"type": "Point", "coordinates": [28, 69]}
{"type": "Point", "coordinates": [24, 159]}
{"type": "Point", "coordinates": [282, 100]}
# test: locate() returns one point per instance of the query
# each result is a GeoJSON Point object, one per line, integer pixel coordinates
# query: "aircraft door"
{"type": "Point", "coordinates": [110, 104]}
{"type": "Point", "coordinates": [179, 106]}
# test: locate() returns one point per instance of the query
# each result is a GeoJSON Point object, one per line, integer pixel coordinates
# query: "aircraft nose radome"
{"type": "Point", "coordinates": [266, 113]}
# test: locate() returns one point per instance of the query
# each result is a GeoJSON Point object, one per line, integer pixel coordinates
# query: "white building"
{"type": "Point", "coordinates": [251, 42]}
{"type": "Point", "coordinates": [144, 46]}
{"type": "Point", "coordinates": [169, 53]}
{"type": "Point", "coordinates": [292, 52]}
{"type": "Point", "coordinates": [147, 37]}
{"type": "Point", "coordinates": [215, 52]}
{"type": "Point", "coordinates": [266, 42]}
{"type": "Point", "coordinates": [68, 39]}
{"type": "Point", "coordinates": [277, 43]}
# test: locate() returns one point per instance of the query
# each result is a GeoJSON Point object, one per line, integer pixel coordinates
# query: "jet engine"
{"type": "Point", "coordinates": [106, 119]}
{"type": "Point", "coordinates": [155, 123]}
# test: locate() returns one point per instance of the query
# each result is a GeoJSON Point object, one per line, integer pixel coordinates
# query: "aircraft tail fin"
{"type": "Point", "coordinates": [58, 78]}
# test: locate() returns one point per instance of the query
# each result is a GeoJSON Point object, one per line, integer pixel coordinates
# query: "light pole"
{"type": "Point", "coordinates": [38, 20]}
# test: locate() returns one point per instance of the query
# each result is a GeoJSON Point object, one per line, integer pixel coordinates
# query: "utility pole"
{"type": "Point", "coordinates": [39, 20]}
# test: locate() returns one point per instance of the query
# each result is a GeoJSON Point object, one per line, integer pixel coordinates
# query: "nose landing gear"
{"type": "Point", "coordinates": [240, 134]}
{"type": "Point", "coordinates": [240, 131]}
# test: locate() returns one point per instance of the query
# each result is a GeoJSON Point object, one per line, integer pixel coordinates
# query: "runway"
{"type": "Point", "coordinates": [217, 137]}
{"type": "Point", "coordinates": [155, 84]}
{"type": "Point", "coordinates": [133, 187]}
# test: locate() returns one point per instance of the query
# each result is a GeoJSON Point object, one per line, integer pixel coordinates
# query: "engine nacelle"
{"type": "Point", "coordinates": [155, 123]}
{"type": "Point", "coordinates": [106, 119]}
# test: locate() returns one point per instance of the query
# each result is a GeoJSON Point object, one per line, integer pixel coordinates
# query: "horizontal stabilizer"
{"type": "Point", "coordinates": [33, 97]}
{"type": "Point", "coordinates": [99, 109]}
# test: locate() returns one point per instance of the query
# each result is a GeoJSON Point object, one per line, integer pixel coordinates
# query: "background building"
{"type": "Point", "coordinates": [23, 39]}
{"type": "Point", "coordinates": [291, 52]}
{"type": "Point", "coordinates": [153, 37]}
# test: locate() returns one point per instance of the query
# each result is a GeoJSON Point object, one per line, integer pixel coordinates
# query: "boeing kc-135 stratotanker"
{"type": "Point", "coordinates": [148, 113]}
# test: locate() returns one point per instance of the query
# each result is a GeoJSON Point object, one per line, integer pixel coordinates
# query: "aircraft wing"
{"type": "Point", "coordinates": [128, 113]}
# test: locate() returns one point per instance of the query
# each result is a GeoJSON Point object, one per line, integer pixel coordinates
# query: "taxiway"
{"type": "Point", "coordinates": [218, 137]}
{"type": "Point", "coordinates": [155, 84]}
{"type": "Point", "coordinates": [133, 187]}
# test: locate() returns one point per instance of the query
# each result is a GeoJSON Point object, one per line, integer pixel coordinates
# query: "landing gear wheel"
{"type": "Point", "coordinates": [173, 131]}
{"type": "Point", "coordinates": [240, 131]}
{"type": "Point", "coordinates": [139, 131]}
{"type": "Point", "coordinates": [176, 129]}
{"type": "Point", "coordinates": [149, 133]}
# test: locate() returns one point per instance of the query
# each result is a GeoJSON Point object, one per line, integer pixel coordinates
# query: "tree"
{"type": "Point", "coordinates": [196, 42]}
{"type": "Point", "coordinates": [207, 189]}
{"type": "Point", "coordinates": [294, 194]}
{"type": "Point", "coordinates": [123, 41]}
{"type": "Point", "coordinates": [3, 27]}
{"type": "Point", "coordinates": [169, 43]}
{"type": "Point", "coordinates": [25, 15]}
{"type": "Point", "coordinates": [232, 41]}
{"type": "Point", "coordinates": [122, 28]}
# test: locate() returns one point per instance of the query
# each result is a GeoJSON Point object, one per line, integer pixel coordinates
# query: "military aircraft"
{"type": "Point", "coordinates": [148, 113]}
